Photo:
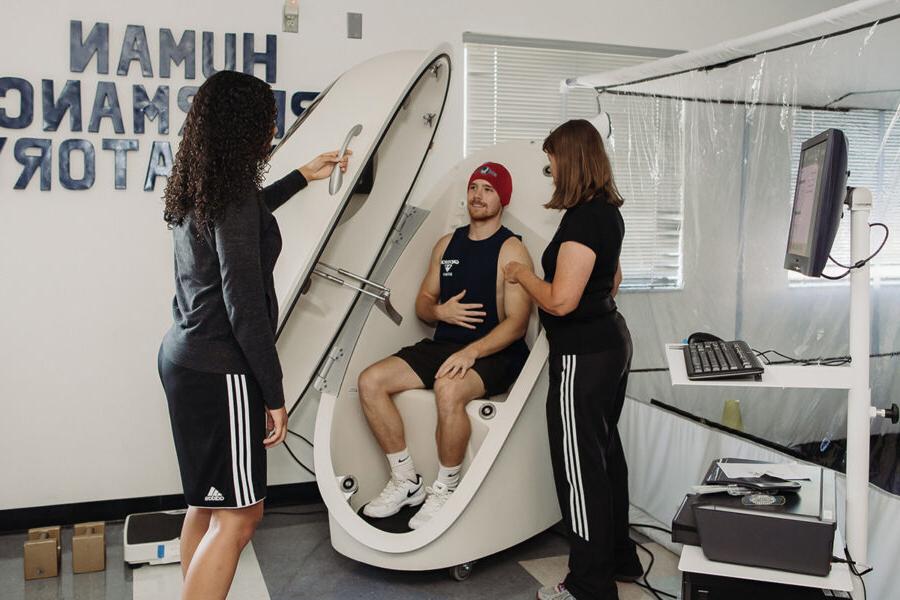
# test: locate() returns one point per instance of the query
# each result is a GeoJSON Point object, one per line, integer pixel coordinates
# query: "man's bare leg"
{"type": "Point", "coordinates": [453, 431]}
{"type": "Point", "coordinates": [377, 383]}
{"type": "Point", "coordinates": [454, 428]}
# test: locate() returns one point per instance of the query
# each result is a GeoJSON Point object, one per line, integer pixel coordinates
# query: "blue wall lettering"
{"type": "Point", "coordinates": [301, 98]}
{"type": "Point", "coordinates": [106, 105]}
{"type": "Point", "coordinates": [151, 109]}
{"type": "Point", "coordinates": [69, 100]}
{"type": "Point", "coordinates": [279, 112]}
{"type": "Point", "coordinates": [230, 53]}
{"type": "Point", "coordinates": [183, 52]}
{"type": "Point", "coordinates": [185, 97]}
{"type": "Point", "coordinates": [82, 50]}
{"type": "Point", "coordinates": [65, 165]}
{"type": "Point", "coordinates": [121, 148]}
{"type": "Point", "coordinates": [134, 47]}
{"type": "Point", "coordinates": [26, 103]}
{"type": "Point", "coordinates": [31, 163]}
{"type": "Point", "coordinates": [160, 164]}
{"type": "Point", "coordinates": [268, 58]}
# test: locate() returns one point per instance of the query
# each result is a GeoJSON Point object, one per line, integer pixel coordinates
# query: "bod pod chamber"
{"type": "Point", "coordinates": [367, 247]}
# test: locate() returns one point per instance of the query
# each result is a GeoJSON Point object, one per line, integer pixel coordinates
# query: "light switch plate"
{"type": "Point", "coordinates": [354, 26]}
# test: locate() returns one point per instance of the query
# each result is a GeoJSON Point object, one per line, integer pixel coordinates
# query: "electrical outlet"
{"type": "Point", "coordinates": [290, 21]}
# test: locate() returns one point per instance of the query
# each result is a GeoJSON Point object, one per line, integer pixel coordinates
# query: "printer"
{"type": "Point", "coordinates": [788, 529]}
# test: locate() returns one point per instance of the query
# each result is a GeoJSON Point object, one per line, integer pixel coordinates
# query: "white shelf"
{"type": "Point", "coordinates": [774, 376]}
{"type": "Point", "coordinates": [694, 561]}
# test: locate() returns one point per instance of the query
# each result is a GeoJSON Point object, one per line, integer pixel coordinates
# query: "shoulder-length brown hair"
{"type": "Point", "coordinates": [582, 165]}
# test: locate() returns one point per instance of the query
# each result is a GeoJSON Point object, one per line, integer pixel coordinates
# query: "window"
{"type": "Point", "coordinates": [873, 159]}
{"type": "Point", "coordinates": [513, 92]}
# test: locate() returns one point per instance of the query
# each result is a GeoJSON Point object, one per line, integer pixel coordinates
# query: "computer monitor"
{"type": "Point", "coordinates": [818, 199]}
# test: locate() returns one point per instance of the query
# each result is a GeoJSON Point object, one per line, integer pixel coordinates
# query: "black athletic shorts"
{"type": "Point", "coordinates": [218, 422]}
{"type": "Point", "coordinates": [497, 371]}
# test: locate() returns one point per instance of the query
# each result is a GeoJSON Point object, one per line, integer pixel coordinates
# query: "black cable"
{"type": "Point", "coordinates": [844, 561]}
{"type": "Point", "coordinates": [646, 585]}
{"type": "Point", "coordinates": [860, 263]}
{"type": "Point", "coordinates": [657, 527]}
{"type": "Point", "coordinates": [654, 591]}
{"type": "Point", "coordinates": [302, 437]}
{"type": "Point", "coordinates": [852, 564]}
{"type": "Point", "coordinates": [297, 460]}
{"type": "Point", "coordinates": [560, 530]}
{"type": "Point", "coordinates": [832, 361]}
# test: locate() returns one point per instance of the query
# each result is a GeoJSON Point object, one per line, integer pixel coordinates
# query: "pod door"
{"type": "Point", "coordinates": [386, 111]}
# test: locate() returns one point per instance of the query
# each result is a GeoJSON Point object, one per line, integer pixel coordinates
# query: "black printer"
{"type": "Point", "coordinates": [787, 530]}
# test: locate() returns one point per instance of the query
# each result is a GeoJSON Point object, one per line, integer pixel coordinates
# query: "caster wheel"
{"type": "Point", "coordinates": [462, 572]}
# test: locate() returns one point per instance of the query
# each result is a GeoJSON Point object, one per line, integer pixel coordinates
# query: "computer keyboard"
{"type": "Point", "coordinates": [721, 360]}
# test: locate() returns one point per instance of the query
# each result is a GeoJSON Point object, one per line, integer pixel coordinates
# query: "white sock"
{"type": "Point", "coordinates": [402, 465]}
{"type": "Point", "coordinates": [449, 476]}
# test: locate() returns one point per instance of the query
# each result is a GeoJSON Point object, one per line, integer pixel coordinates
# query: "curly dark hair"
{"type": "Point", "coordinates": [222, 156]}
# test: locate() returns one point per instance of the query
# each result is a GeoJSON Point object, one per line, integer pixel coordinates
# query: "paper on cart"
{"type": "Point", "coordinates": [789, 471]}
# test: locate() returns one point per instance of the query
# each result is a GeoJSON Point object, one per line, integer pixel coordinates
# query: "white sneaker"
{"type": "Point", "coordinates": [555, 592]}
{"type": "Point", "coordinates": [395, 495]}
{"type": "Point", "coordinates": [437, 496]}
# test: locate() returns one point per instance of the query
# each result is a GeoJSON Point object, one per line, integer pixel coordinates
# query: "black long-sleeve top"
{"type": "Point", "coordinates": [225, 311]}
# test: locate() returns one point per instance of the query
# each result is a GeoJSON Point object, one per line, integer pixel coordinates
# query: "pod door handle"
{"type": "Point", "coordinates": [337, 177]}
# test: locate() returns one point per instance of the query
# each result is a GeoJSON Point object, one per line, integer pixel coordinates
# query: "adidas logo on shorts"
{"type": "Point", "coordinates": [214, 495]}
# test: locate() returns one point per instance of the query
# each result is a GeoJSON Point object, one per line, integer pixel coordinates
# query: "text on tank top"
{"type": "Point", "coordinates": [471, 265]}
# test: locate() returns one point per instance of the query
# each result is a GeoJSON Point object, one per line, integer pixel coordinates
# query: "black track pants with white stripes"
{"type": "Point", "coordinates": [583, 407]}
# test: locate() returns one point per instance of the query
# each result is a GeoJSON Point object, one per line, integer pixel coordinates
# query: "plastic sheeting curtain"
{"type": "Point", "coordinates": [739, 129]}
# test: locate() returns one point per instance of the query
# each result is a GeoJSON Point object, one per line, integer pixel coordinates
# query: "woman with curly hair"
{"type": "Point", "coordinates": [218, 362]}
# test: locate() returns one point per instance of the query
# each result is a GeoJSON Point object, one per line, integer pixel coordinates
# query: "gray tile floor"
{"type": "Point", "coordinates": [112, 584]}
{"type": "Point", "coordinates": [297, 562]}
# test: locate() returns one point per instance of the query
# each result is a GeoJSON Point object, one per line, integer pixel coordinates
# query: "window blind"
{"type": "Point", "coordinates": [513, 92]}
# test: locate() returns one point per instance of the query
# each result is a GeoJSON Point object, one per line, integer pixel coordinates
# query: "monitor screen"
{"type": "Point", "coordinates": [808, 184]}
{"type": "Point", "coordinates": [818, 199]}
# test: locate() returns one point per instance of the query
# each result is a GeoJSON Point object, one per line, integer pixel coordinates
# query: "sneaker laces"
{"type": "Point", "coordinates": [437, 495]}
{"type": "Point", "coordinates": [391, 489]}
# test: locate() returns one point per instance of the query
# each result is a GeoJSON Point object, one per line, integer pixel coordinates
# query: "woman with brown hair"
{"type": "Point", "coordinates": [590, 356]}
{"type": "Point", "coordinates": [218, 362]}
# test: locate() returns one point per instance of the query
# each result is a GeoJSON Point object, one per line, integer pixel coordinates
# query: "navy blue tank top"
{"type": "Point", "coordinates": [471, 265]}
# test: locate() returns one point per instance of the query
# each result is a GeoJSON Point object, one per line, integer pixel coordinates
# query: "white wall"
{"type": "Point", "coordinates": [87, 275]}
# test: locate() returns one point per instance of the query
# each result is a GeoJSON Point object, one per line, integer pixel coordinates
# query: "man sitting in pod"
{"type": "Point", "coordinates": [478, 348]}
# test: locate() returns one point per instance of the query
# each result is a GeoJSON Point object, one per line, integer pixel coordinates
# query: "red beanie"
{"type": "Point", "coordinates": [497, 175]}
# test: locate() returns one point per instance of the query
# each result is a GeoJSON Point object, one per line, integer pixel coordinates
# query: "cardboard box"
{"type": "Point", "coordinates": [42, 552]}
{"type": "Point", "coordinates": [89, 547]}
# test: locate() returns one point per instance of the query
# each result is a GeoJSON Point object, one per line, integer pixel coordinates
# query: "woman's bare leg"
{"type": "Point", "coordinates": [196, 523]}
{"type": "Point", "coordinates": [213, 564]}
